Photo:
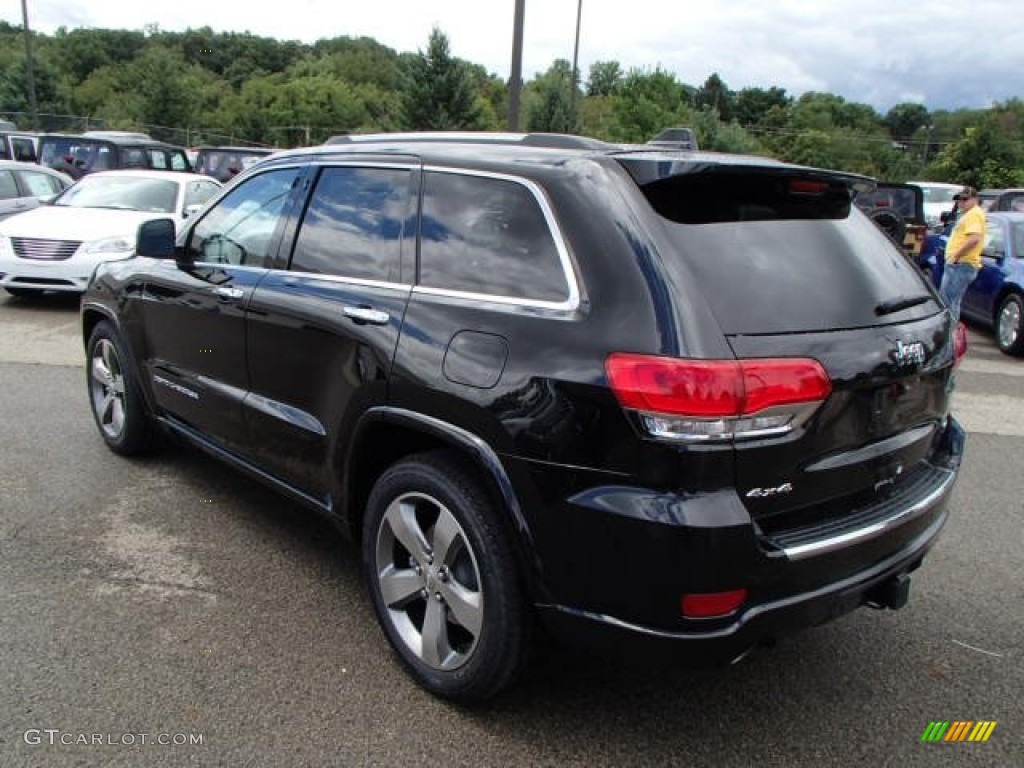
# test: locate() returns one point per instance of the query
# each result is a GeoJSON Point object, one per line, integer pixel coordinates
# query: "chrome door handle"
{"type": "Point", "coordinates": [229, 293]}
{"type": "Point", "coordinates": [366, 315]}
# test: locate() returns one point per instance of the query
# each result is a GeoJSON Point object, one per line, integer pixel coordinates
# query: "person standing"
{"type": "Point", "coordinates": [963, 251]}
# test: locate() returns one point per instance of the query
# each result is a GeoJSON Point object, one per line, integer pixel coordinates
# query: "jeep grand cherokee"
{"type": "Point", "coordinates": [680, 398]}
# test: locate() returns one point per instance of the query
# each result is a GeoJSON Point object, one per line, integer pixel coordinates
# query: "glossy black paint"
{"type": "Point", "coordinates": [318, 383]}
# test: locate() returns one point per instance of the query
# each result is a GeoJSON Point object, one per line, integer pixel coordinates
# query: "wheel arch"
{"type": "Point", "coordinates": [386, 434]}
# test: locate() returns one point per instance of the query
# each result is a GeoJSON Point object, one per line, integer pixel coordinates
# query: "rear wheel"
{"type": "Point", "coordinates": [1009, 328]}
{"type": "Point", "coordinates": [443, 579]}
{"type": "Point", "coordinates": [117, 405]}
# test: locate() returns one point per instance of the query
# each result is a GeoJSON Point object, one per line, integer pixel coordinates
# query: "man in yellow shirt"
{"type": "Point", "coordinates": [963, 251]}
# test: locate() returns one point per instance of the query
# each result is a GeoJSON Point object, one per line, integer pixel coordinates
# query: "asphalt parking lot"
{"type": "Point", "coordinates": [171, 600]}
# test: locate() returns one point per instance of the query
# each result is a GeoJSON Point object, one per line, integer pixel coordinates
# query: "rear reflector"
{"type": "Point", "coordinates": [959, 343]}
{"type": "Point", "coordinates": [712, 604]}
{"type": "Point", "coordinates": [687, 399]}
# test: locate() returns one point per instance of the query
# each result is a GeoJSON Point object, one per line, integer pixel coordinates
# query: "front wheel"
{"type": "Point", "coordinates": [1009, 328]}
{"type": "Point", "coordinates": [443, 579]}
{"type": "Point", "coordinates": [117, 405]}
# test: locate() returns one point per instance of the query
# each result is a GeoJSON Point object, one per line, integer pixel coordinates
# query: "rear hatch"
{"type": "Point", "coordinates": [791, 269]}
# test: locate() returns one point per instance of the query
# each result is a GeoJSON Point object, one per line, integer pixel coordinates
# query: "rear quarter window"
{"type": "Point", "coordinates": [488, 235]}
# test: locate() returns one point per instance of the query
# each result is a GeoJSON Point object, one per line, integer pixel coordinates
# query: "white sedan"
{"type": "Point", "coordinates": [57, 246]}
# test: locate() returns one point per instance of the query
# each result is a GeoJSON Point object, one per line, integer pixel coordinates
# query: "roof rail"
{"type": "Point", "coordinates": [550, 140]}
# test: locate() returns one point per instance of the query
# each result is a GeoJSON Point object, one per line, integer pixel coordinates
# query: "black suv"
{"type": "Point", "coordinates": [684, 399]}
{"type": "Point", "coordinates": [108, 150]}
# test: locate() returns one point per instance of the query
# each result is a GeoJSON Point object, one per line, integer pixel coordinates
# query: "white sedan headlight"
{"type": "Point", "coordinates": [121, 244]}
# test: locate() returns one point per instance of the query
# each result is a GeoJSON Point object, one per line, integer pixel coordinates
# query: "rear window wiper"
{"type": "Point", "coordinates": [900, 303]}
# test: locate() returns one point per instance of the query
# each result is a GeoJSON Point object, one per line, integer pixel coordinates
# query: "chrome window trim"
{"type": "Point", "coordinates": [570, 303]}
{"type": "Point", "coordinates": [345, 280]}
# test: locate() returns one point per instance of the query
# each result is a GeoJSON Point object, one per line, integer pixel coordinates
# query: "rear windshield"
{"type": "Point", "coordinates": [777, 253]}
{"type": "Point", "coordinates": [84, 154]}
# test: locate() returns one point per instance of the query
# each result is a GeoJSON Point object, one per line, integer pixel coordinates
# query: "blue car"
{"type": "Point", "coordinates": [996, 297]}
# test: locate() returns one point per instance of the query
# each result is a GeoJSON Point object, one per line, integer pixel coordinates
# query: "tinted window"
{"type": "Point", "coordinates": [776, 254]}
{"type": "Point", "coordinates": [353, 225]}
{"type": "Point", "coordinates": [178, 161]}
{"type": "Point", "coordinates": [157, 159]}
{"type": "Point", "coordinates": [8, 187]}
{"type": "Point", "coordinates": [133, 158]}
{"type": "Point", "coordinates": [487, 235]}
{"type": "Point", "coordinates": [40, 184]}
{"type": "Point", "coordinates": [24, 149]}
{"type": "Point", "coordinates": [240, 228]}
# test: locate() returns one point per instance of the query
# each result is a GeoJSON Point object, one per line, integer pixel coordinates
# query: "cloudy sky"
{"type": "Point", "coordinates": [942, 53]}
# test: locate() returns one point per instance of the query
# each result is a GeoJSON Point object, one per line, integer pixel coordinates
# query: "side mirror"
{"type": "Point", "coordinates": [155, 239]}
{"type": "Point", "coordinates": [190, 210]}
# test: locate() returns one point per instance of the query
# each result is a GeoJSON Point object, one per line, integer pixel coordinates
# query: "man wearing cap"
{"type": "Point", "coordinates": [963, 251]}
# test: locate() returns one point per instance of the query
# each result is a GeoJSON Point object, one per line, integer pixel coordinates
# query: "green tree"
{"type": "Point", "coordinates": [715, 94]}
{"type": "Point", "coordinates": [752, 105]}
{"type": "Point", "coordinates": [905, 119]}
{"type": "Point", "coordinates": [647, 103]}
{"type": "Point", "coordinates": [551, 105]}
{"type": "Point", "coordinates": [605, 78]}
{"type": "Point", "coordinates": [439, 92]}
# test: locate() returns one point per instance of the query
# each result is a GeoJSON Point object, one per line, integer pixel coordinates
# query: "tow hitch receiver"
{"type": "Point", "coordinates": [891, 593]}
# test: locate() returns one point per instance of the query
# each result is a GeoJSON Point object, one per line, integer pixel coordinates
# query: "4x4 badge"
{"type": "Point", "coordinates": [761, 493]}
{"type": "Point", "coordinates": [908, 354]}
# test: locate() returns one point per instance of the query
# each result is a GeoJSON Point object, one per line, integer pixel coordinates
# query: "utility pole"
{"type": "Point", "coordinates": [575, 59]}
{"type": "Point", "coordinates": [515, 80]}
{"type": "Point", "coordinates": [29, 73]}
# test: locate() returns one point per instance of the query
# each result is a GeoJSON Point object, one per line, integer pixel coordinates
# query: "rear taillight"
{"type": "Point", "coordinates": [712, 604]}
{"type": "Point", "coordinates": [959, 343]}
{"type": "Point", "coordinates": [704, 400]}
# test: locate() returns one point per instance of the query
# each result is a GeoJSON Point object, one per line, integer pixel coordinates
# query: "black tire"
{"type": "Point", "coordinates": [1009, 325]}
{"type": "Point", "coordinates": [433, 540]}
{"type": "Point", "coordinates": [122, 418]}
{"type": "Point", "coordinates": [890, 222]}
{"type": "Point", "coordinates": [25, 293]}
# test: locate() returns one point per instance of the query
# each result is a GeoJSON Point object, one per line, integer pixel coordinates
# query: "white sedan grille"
{"type": "Point", "coordinates": [47, 250]}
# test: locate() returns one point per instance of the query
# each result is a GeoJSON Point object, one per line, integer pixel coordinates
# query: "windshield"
{"type": "Point", "coordinates": [124, 193]}
{"type": "Point", "coordinates": [938, 194]}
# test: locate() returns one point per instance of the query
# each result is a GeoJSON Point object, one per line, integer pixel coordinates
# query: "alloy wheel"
{"type": "Point", "coordinates": [429, 581]}
{"type": "Point", "coordinates": [107, 388]}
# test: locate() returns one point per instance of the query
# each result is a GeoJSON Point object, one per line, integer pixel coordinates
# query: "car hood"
{"type": "Point", "coordinates": [83, 224]}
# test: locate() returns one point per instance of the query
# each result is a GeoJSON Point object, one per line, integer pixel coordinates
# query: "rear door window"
{"type": "Point", "coordinates": [24, 149]}
{"type": "Point", "coordinates": [488, 235]}
{"type": "Point", "coordinates": [8, 186]}
{"type": "Point", "coordinates": [778, 252]}
{"type": "Point", "coordinates": [157, 159]}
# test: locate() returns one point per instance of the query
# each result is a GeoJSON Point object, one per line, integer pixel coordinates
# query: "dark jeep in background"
{"type": "Point", "coordinates": [656, 398]}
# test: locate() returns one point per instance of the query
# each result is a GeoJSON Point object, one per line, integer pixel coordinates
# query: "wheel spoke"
{"type": "Point", "coordinates": [105, 407]}
{"type": "Point", "coordinates": [435, 648]}
{"type": "Point", "coordinates": [116, 416]}
{"type": "Point", "coordinates": [466, 606]}
{"type": "Point", "coordinates": [399, 586]}
{"type": "Point", "coordinates": [446, 532]}
{"type": "Point", "coordinates": [401, 517]}
{"type": "Point", "coordinates": [100, 371]}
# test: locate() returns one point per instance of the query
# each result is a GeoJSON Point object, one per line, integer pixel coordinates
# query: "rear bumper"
{"type": "Point", "coordinates": [642, 552]}
{"type": "Point", "coordinates": [756, 625]}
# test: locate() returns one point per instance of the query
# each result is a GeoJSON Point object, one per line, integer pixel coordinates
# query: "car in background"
{"type": "Point", "coordinates": [55, 247]}
{"type": "Point", "coordinates": [938, 199]}
{"type": "Point", "coordinates": [996, 297]}
{"type": "Point", "coordinates": [675, 138]}
{"type": "Point", "coordinates": [224, 163]}
{"type": "Point", "coordinates": [19, 145]}
{"type": "Point", "coordinates": [898, 209]}
{"type": "Point", "coordinates": [24, 186]}
{"type": "Point", "coordinates": [986, 197]}
{"type": "Point", "coordinates": [1008, 200]}
{"type": "Point", "coordinates": [79, 155]}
